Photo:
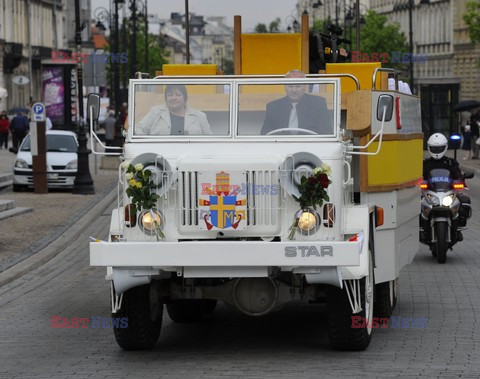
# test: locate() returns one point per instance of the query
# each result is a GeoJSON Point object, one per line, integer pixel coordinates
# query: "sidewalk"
{"type": "Point", "coordinates": [53, 213]}
{"type": "Point", "coordinates": [468, 165]}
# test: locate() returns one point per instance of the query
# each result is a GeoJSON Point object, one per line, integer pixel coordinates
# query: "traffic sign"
{"type": "Point", "coordinates": [38, 112]}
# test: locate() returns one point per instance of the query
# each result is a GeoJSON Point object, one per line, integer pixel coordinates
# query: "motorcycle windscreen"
{"type": "Point", "coordinates": [440, 180]}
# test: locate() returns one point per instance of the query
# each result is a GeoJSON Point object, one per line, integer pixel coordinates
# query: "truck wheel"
{"type": "Point", "coordinates": [385, 299]}
{"type": "Point", "coordinates": [144, 321]}
{"type": "Point", "coordinates": [342, 333]}
{"type": "Point", "coordinates": [441, 246]}
{"type": "Point", "coordinates": [190, 310]}
{"type": "Point", "coordinates": [209, 305]}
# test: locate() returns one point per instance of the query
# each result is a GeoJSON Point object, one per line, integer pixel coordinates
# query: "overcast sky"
{"type": "Point", "coordinates": [252, 11]}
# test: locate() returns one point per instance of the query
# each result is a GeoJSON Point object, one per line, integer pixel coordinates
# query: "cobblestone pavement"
{"type": "Point", "coordinates": [22, 236]}
{"type": "Point", "coordinates": [291, 343]}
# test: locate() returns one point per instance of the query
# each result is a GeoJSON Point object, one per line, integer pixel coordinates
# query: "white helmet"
{"type": "Point", "coordinates": [437, 145]}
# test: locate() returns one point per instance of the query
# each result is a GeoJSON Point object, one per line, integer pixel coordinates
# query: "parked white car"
{"type": "Point", "coordinates": [61, 161]}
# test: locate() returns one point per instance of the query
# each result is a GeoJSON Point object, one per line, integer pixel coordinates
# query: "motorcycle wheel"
{"type": "Point", "coordinates": [441, 246]}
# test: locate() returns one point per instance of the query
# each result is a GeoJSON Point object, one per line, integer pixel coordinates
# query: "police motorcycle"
{"type": "Point", "coordinates": [444, 207]}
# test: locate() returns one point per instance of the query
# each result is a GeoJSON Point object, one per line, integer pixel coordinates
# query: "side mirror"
{"type": "Point", "coordinates": [93, 101]}
{"type": "Point", "coordinates": [468, 175]}
{"type": "Point", "coordinates": [385, 101]}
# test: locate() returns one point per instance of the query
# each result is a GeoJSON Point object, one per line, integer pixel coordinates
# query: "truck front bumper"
{"type": "Point", "coordinates": [226, 254]}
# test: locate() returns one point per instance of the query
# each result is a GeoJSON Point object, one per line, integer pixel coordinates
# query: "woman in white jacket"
{"type": "Point", "coordinates": [174, 117]}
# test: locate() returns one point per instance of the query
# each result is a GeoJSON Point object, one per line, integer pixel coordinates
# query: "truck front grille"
{"type": "Point", "coordinates": [262, 189]}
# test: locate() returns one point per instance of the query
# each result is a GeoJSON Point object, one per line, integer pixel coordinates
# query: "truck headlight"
{"type": "Point", "coordinates": [72, 165]}
{"type": "Point", "coordinates": [447, 200]}
{"type": "Point", "coordinates": [150, 221]}
{"type": "Point", "coordinates": [20, 163]}
{"type": "Point", "coordinates": [308, 221]}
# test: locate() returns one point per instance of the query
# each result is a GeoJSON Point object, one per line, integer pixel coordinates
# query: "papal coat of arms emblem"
{"type": "Point", "coordinates": [222, 205]}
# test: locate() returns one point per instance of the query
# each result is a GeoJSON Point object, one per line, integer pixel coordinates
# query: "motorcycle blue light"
{"type": "Point", "coordinates": [455, 137]}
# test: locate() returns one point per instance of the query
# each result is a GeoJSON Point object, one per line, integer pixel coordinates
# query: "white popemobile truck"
{"type": "Point", "coordinates": [214, 207]}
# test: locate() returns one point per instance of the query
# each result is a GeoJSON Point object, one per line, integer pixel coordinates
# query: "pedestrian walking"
{"type": "Point", "coordinates": [467, 142]}
{"type": "Point", "coordinates": [474, 124]}
{"type": "Point", "coordinates": [19, 129]}
{"type": "Point", "coordinates": [110, 122]}
{"type": "Point", "coordinates": [4, 128]}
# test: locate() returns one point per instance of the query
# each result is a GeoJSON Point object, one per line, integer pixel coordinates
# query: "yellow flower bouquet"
{"type": "Point", "coordinates": [141, 187]}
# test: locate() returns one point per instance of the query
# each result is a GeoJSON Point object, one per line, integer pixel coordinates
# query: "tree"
{"type": "Point", "coordinates": [321, 25]}
{"type": "Point", "coordinates": [472, 19]}
{"type": "Point", "coordinates": [378, 36]}
{"type": "Point", "coordinates": [261, 28]}
{"type": "Point", "coordinates": [273, 27]}
{"type": "Point", "coordinates": [157, 56]}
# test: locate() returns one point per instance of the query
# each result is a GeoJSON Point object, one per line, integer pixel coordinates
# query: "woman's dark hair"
{"type": "Point", "coordinates": [176, 87]}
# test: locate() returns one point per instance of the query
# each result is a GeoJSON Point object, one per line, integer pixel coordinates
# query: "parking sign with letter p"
{"type": "Point", "coordinates": [38, 110]}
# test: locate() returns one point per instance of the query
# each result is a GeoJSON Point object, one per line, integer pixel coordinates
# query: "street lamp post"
{"type": "Point", "coordinates": [147, 69]}
{"type": "Point", "coordinates": [116, 81]}
{"type": "Point", "coordinates": [125, 49]}
{"type": "Point", "coordinates": [83, 183]}
{"type": "Point", "coordinates": [187, 32]}
{"type": "Point", "coordinates": [133, 64]}
{"type": "Point", "coordinates": [101, 15]}
{"type": "Point", "coordinates": [351, 14]}
{"type": "Point", "coordinates": [411, 4]}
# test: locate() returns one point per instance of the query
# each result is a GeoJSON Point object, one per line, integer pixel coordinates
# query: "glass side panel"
{"type": "Point", "coordinates": [177, 110]}
{"type": "Point", "coordinates": [299, 109]}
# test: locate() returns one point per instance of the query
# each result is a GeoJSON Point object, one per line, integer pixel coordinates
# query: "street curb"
{"type": "Point", "coordinates": [14, 212]}
{"type": "Point", "coordinates": [57, 241]}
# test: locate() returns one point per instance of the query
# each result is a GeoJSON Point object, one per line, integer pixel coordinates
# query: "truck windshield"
{"type": "Point", "coordinates": [285, 109]}
{"type": "Point", "coordinates": [244, 108]}
{"type": "Point", "coordinates": [182, 110]}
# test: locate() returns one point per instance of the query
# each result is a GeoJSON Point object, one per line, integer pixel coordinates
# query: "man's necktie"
{"type": "Point", "coordinates": [293, 121]}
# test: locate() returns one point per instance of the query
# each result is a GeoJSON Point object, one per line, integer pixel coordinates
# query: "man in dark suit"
{"type": "Point", "coordinates": [298, 110]}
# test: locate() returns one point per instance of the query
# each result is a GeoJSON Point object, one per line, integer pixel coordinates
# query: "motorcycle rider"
{"type": "Point", "coordinates": [437, 146]}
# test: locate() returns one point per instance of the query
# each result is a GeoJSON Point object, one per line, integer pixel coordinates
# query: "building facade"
{"type": "Point", "coordinates": [452, 70]}
{"type": "Point", "coordinates": [29, 31]}
{"type": "Point", "coordinates": [211, 40]}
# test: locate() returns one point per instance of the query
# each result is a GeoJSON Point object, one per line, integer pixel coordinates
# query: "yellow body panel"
{"type": "Point", "coordinates": [192, 69]}
{"type": "Point", "coordinates": [399, 161]}
{"type": "Point", "coordinates": [362, 71]}
{"type": "Point", "coordinates": [189, 69]}
{"type": "Point", "coordinates": [271, 54]}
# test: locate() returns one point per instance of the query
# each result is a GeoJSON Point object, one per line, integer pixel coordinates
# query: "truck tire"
{"type": "Point", "coordinates": [385, 299]}
{"type": "Point", "coordinates": [341, 334]}
{"type": "Point", "coordinates": [441, 246]}
{"type": "Point", "coordinates": [144, 322]}
{"type": "Point", "coordinates": [189, 310]}
{"type": "Point", "coordinates": [209, 305]}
